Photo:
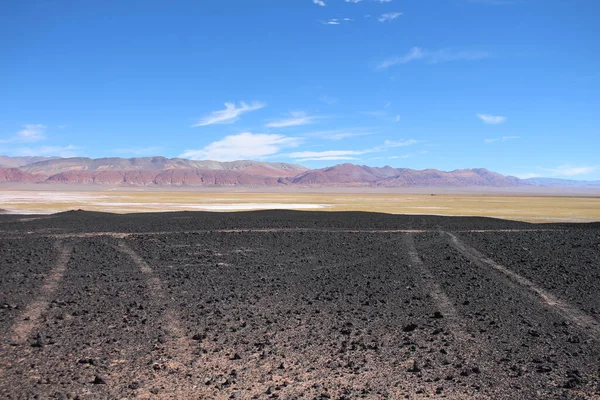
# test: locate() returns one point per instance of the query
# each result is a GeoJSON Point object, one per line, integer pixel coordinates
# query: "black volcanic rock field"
{"type": "Point", "coordinates": [297, 305]}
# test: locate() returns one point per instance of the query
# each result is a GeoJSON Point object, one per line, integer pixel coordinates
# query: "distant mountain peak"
{"type": "Point", "coordinates": [161, 171]}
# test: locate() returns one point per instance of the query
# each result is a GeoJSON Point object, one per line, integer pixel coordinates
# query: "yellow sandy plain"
{"type": "Point", "coordinates": [519, 207]}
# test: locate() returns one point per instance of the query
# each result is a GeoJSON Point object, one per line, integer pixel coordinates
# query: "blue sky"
{"type": "Point", "coordinates": [509, 85]}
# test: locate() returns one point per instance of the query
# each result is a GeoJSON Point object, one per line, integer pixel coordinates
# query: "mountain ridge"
{"type": "Point", "coordinates": [179, 172]}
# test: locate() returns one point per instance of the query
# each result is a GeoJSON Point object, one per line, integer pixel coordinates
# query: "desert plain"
{"type": "Point", "coordinates": [524, 206]}
{"type": "Point", "coordinates": [325, 303]}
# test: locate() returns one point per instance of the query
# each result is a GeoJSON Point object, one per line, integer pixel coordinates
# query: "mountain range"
{"type": "Point", "coordinates": [179, 172]}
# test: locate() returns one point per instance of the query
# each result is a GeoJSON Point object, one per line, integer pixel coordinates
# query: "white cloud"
{"type": "Point", "coordinates": [397, 119]}
{"type": "Point", "coordinates": [326, 155]}
{"type": "Point", "coordinates": [569, 170]}
{"type": "Point", "coordinates": [502, 139]}
{"type": "Point", "coordinates": [395, 143]}
{"type": "Point", "coordinates": [336, 21]}
{"type": "Point", "coordinates": [434, 56]}
{"type": "Point", "coordinates": [491, 119]}
{"type": "Point", "coordinates": [353, 1]}
{"type": "Point", "coordinates": [339, 134]}
{"type": "Point", "coordinates": [319, 3]}
{"type": "Point", "coordinates": [528, 175]}
{"type": "Point", "coordinates": [60, 151]}
{"type": "Point", "coordinates": [29, 133]}
{"type": "Point", "coordinates": [230, 114]}
{"type": "Point", "coordinates": [348, 154]}
{"type": "Point", "coordinates": [242, 146]}
{"type": "Point", "coordinates": [297, 118]}
{"type": "Point", "coordinates": [562, 171]}
{"type": "Point", "coordinates": [389, 16]}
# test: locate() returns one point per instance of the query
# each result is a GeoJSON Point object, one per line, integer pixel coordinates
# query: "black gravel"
{"type": "Point", "coordinates": [327, 306]}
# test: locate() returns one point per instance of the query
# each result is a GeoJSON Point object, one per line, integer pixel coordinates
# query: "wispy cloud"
{"type": "Point", "coordinates": [562, 171]}
{"type": "Point", "coordinates": [230, 114]}
{"type": "Point", "coordinates": [326, 155]}
{"type": "Point", "coordinates": [570, 170]}
{"type": "Point", "coordinates": [492, 119]}
{"type": "Point", "coordinates": [397, 119]}
{"type": "Point", "coordinates": [336, 21]}
{"type": "Point", "coordinates": [528, 175]}
{"type": "Point", "coordinates": [502, 139]}
{"type": "Point", "coordinates": [353, 1]}
{"type": "Point", "coordinates": [29, 133]}
{"type": "Point", "coordinates": [60, 151]}
{"type": "Point", "coordinates": [296, 118]}
{"type": "Point", "coordinates": [389, 16]}
{"type": "Point", "coordinates": [434, 56]}
{"type": "Point", "coordinates": [348, 154]}
{"type": "Point", "coordinates": [320, 3]}
{"type": "Point", "coordinates": [388, 144]}
{"type": "Point", "coordinates": [243, 146]}
{"type": "Point", "coordinates": [339, 134]}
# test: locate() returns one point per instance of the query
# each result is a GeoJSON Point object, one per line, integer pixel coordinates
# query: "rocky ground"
{"type": "Point", "coordinates": [297, 305]}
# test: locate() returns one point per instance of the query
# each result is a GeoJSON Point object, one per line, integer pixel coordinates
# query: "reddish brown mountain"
{"type": "Point", "coordinates": [15, 175]}
{"type": "Point", "coordinates": [173, 177]}
{"type": "Point", "coordinates": [56, 166]}
{"type": "Point", "coordinates": [178, 172]}
{"type": "Point", "coordinates": [360, 175]}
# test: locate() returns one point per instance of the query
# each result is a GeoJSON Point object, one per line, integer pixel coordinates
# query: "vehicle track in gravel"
{"type": "Point", "coordinates": [569, 312]}
{"type": "Point", "coordinates": [32, 313]}
{"type": "Point", "coordinates": [391, 309]}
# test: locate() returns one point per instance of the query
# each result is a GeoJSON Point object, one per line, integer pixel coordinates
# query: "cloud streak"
{"type": "Point", "coordinates": [297, 118]}
{"type": "Point", "coordinates": [30, 133]}
{"type": "Point", "coordinates": [60, 151]}
{"type": "Point", "coordinates": [243, 146]}
{"type": "Point", "coordinates": [434, 57]}
{"type": "Point", "coordinates": [329, 155]}
{"type": "Point", "coordinates": [389, 16]}
{"type": "Point", "coordinates": [230, 114]}
{"type": "Point", "coordinates": [569, 170]}
{"type": "Point", "coordinates": [492, 119]}
{"type": "Point", "coordinates": [319, 3]}
{"type": "Point", "coordinates": [502, 139]}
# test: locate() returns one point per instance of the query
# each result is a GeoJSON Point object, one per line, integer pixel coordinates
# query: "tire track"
{"type": "Point", "coordinates": [32, 313]}
{"type": "Point", "coordinates": [178, 348]}
{"type": "Point", "coordinates": [585, 322]}
{"type": "Point", "coordinates": [474, 350]}
{"type": "Point", "coordinates": [430, 285]}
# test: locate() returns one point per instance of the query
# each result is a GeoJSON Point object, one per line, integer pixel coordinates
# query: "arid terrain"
{"type": "Point", "coordinates": [522, 206]}
{"type": "Point", "coordinates": [295, 305]}
{"type": "Point", "coordinates": [162, 172]}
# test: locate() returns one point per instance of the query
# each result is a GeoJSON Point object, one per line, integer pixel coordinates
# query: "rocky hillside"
{"type": "Point", "coordinates": [179, 172]}
{"type": "Point", "coordinates": [358, 175]}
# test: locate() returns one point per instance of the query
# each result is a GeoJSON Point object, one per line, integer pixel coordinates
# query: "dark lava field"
{"type": "Point", "coordinates": [297, 305]}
